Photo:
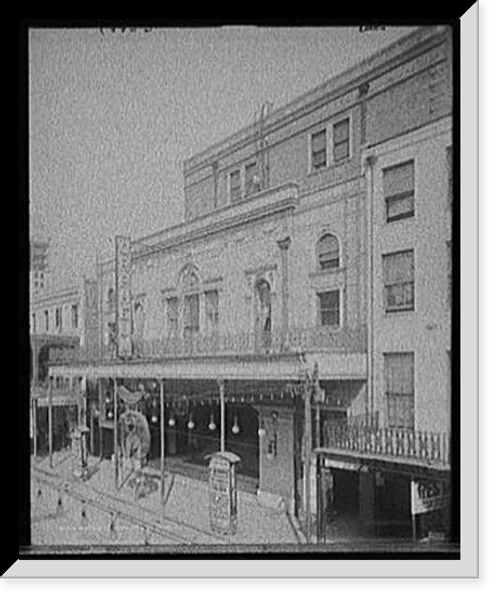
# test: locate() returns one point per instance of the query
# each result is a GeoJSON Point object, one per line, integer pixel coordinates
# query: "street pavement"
{"type": "Point", "coordinates": [66, 511]}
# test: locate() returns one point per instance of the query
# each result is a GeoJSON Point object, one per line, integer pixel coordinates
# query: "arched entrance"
{"type": "Point", "coordinates": [263, 315]}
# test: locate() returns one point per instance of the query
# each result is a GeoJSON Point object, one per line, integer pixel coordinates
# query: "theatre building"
{"type": "Point", "coordinates": [265, 323]}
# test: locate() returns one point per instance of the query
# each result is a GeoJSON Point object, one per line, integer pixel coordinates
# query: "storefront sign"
{"type": "Point", "coordinates": [91, 315]}
{"type": "Point", "coordinates": [123, 274]}
{"type": "Point", "coordinates": [341, 464]}
{"type": "Point", "coordinates": [427, 496]}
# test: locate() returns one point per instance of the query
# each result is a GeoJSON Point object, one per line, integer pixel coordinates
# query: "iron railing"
{"type": "Point", "coordinates": [423, 446]}
{"type": "Point", "coordinates": [298, 339]}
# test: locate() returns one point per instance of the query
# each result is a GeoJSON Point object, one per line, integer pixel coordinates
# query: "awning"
{"type": "Point", "coordinates": [282, 367]}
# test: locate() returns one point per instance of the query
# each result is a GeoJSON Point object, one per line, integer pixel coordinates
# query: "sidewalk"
{"type": "Point", "coordinates": [68, 511]}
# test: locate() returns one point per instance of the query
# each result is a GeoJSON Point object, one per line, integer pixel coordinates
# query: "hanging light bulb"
{"type": "Point", "coordinates": [212, 426]}
{"type": "Point", "coordinates": [112, 526]}
{"type": "Point", "coordinates": [261, 432]}
{"type": "Point", "coordinates": [110, 415]}
{"type": "Point", "coordinates": [154, 419]}
{"type": "Point", "coordinates": [171, 422]}
{"type": "Point", "coordinates": [190, 422]}
{"type": "Point", "coordinates": [84, 513]}
{"type": "Point", "coordinates": [235, 429]}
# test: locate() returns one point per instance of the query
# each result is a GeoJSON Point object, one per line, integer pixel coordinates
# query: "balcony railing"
{"type": "Point", "coordinates": [245, 343]}
{"type": "Point", "coordinates": [427, 447]}
{"type": "Point", "coordinates": [305, 339]}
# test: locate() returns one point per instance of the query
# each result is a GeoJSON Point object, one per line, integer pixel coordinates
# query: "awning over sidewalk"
{"type": "Point", "coordinates": [283, 367]}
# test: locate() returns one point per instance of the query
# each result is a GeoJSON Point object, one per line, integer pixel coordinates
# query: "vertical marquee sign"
{"type": "Point", "coordinates": [123, 274]}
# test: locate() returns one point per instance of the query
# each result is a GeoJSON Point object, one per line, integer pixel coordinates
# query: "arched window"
{"type": "Point", "coordinates": [328, 252]}
{"type": "Point", "coordinates": [189, 280]}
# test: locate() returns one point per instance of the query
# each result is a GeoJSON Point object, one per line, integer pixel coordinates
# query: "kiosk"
{"type": "Point", "coordinates": [222, 489]}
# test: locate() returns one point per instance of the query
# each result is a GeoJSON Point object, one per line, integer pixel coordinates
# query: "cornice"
{"type": "Point", "coordinates": [225, 219]}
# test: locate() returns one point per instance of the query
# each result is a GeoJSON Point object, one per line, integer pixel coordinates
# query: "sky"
{"type": "Point", "coordinates": [112, 117]}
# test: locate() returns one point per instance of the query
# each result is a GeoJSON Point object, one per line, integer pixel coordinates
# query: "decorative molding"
{"type": "Point", "coordinates": [261, 270]}
{"type": "Point", "coordinates": [328, 279]}
{"type": "Point", "coordinates": [285, 243]}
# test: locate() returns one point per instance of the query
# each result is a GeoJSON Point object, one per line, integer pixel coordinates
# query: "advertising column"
{"type": "Point", "coordinates": [123, 270]}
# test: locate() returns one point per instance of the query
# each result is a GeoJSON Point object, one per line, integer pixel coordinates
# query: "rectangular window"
{"type": "Point", "coordinates": [212, 311]}
{"type": "Point", "coordinates": [399, 191]}
{"type": "Point", "coordinates": [341, 148]}
{"type": "Point", "coordinates": [33, 322]}
{"type": "Point", "coordinates": [172, 316]}
{"type": "Point", "coordinates": [251, 179]}
{"type": "Point", "coordinates": [329, 308]}
{"type": "Point", "coordinates": [74, 316]}
{"type": "Point", "coordinates": [449, 169]}
{"type": "Point", "coordinates": [235, 186]}
{"type": "Point", "coordinates": [58, 318]}
{"type": "Point", "coordinates": [398, 274]}
{"type": "Point", "coordinates": [400, 390]}
{"type": "Point", "coordinates": [318, 150]}
{"type": "Point", "coordinates": [46, 316]}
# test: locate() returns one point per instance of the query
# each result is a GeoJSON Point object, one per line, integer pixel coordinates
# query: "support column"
{"type": "Point", "coordinates": [115, 429]}
{"type": "Point", "coordinates": [319, 499]}
{"type": "Point", "coordinates": [222, 416]}
{"type": "Point", "coordinates": [34, 365]}
{"type": "Point", "coordinates": [101, 408]}
{"type": "Point", "coordinates": [83, 390]}
{"type": "Point", "coordinates": [49, 394]}
{"type": "Point", "coordinates": [367, 502]}
{"type": "Point", "coordinates": [35, 426]}
{"type": "Point", "coordinates": [307, 454]}
{"type": "Point", "coordinates": [162, 439]}
{"type": "Point", "coordinates": [284, 245]}
{"type": "Point", "coordinates": [368, 170]}
{"type": "Point", "coordinates": [91, 422]}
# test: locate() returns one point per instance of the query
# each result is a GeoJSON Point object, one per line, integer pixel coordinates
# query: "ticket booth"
{"type": "Point", "coordinates": [80, 452]}
{"type": "Point", "coordinates": [222, 490]}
